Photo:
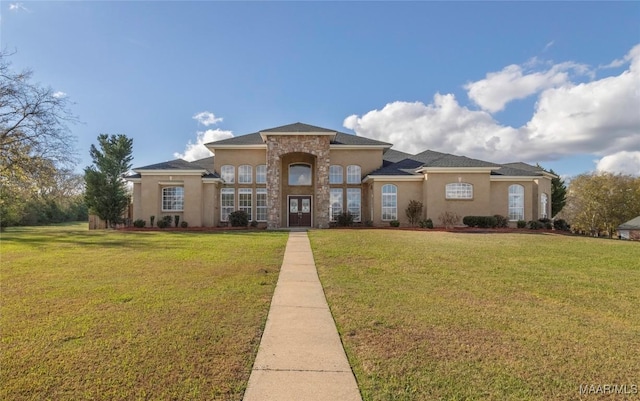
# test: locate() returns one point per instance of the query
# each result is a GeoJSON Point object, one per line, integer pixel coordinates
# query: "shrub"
{"type": "Point", "coordinates": [152, 218]}
{"type": "Point", "coordinates": [368, 223]}
{"type": "Point", "coordinates": [239, 218]}
{"type": "Point", "coordinates": [184, 224]}
{"type": "Point", "coordinates": [521, 224]}
{"type": "Point", "coordinates": [165, 222]}
{"type": "Point", "coordinates": [546, 223]}
{"type": "Point", "coordinates": [561, 224]}
{"type": "Point", "coordinates": [501, 221]}
{"type": "Point", "coordinates": [414, 211]}
{"type": "Point", "coordinates": [426, 223]}
{"type": "Point", "coordinates": [470, 221]}
{"type": "Point", "coordinates": [344, 219]}
{"type": "Point", "coordinates": [176, 220]}
{"type": "Point", "coordinates": [394, 223]}
{"type": "Point", "coordinates": [254, 223]}
{"type": "Point", "coordinates": [139, 223]}
{"type": "Point", "coordinates": [535, 225]}
{"type": "Point", "coordinates": [449, 219]}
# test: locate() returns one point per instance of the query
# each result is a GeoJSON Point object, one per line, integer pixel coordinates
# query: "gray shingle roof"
{"type": "Point", "coordinates": [633, 224]}
{"type": "Point", "coordinates": [248, 139]}
{"type": "Point", "coordinates": [506, 170]}
{"type": "Point", "coordinates": [431, 158]}
{"type": "Point", "coordinates": [347, 139]}
{"type": "Point", "coordinates": [394, 156]}
{"type": "Point", "coordinates": [523, 166]}
{"type": "Point", "coordinates": [298, 127]}
{"type": "Point", "coordinates": [177, 164]}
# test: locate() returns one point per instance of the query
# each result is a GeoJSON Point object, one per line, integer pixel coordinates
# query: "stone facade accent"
{"type": "Point", "coordinates": [279, 145]}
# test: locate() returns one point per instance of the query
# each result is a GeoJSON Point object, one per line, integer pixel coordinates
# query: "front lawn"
{"type": "Point", "coordinates": [455, 316]}
{"type": "Point", "coordinates": [132, 315]}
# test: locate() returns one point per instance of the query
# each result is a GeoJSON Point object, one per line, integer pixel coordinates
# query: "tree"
{"type": "Point", "coordinates": [558, 194]}
{"type": "Point", "coordinates": [35, 139]}
{"type": "Point", "coordinates": [106, 191]}
{"type": "Point", "coordinates": [414, 211]}
{"type": "Point", "coordinates": [598, 203]}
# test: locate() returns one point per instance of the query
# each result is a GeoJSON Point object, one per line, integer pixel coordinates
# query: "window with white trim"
{"type": "Point", "coordinates": [245, 174]}
{"type": "Point", "coordinates": [261, 204]}
{"type": "Point", "coordinates": [245, 201]}
{"type": "Point", "coordinates": [335, 200]}
{"type": "Point", "coordinates": [389, 202]}
{"type": "Point", "coordinates": [459, 190]}
{"type": "Point", "coordinates": [227, 203]}
{"type": "Point", "coordinates": [516, 202]}
{"type": "Point", "coordinates": [335, 174]}
{"type": "Point", "coordinates": [261, 174]}
{"type": "Point", "coordinates": [544, 204]}
{"type": "Point", "coordinates": [299, 174]}
{"type": "Point", "coordinates": [172, 199]}
{"type": "Point", "coordinates": [228, 174]}
{"type": "Point", "coordinates": [354, 197]}
{"type": "Point", "coordinates": [354, 174]}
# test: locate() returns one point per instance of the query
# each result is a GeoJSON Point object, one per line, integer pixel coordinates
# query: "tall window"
{"type": "Point", "coordinates": [544, 201]}
{"type": "Point", "coordinates": [353, 202]}
{"type": "Point", "coordinates": [245, 174]}
{"type": "Point", "coordinates": [227, 203]}
{"type": "Point", "coordinates": [389, 202]}
{"type": "Point", "coordinates": [516, 202]}
{"type": "Point", "coordinates": [354, 175]}
{"type": "Point", "coordinates": [228, 174]}
{"type": "Point", "coordinates": [261, 174]}
{"type": "Point", "coordinates": [336, 203]}
{"type": "Point", "coordinates": [459, 190]}
{"type": "Point", "coordinates": [172, 199]}
{"type": "Point", "coordinates": [261, 204]}
{"type": "Point", "coordinates": [335, 175]}
{"type": "Point", "coordinates": [244, 201]}
{"type": "Point", "coordinates": [299, 174]}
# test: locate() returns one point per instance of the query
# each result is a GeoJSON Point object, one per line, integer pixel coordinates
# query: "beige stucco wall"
{"type": "Point", "coordinates": [500, 198]}
{"type": "Point", "coordinates": [239, 157]}
{"type": "Point", "coordinates": [407, 190]}
{"type": "Point", "coordinates": [368, 159]}
{"type": "Point", "coordinates": [436, 202]}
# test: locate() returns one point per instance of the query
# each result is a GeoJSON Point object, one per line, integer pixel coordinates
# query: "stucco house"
{"type": "Point", "coordinates": [630, 229]}
{"type": "Point", "coordinates": [302, 175]}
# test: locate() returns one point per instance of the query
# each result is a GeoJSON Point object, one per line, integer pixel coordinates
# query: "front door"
{"type": "Point", "coordinates": [300, 211]}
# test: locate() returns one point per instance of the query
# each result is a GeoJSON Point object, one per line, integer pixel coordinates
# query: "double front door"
{"type": "Point", "coordinates": [300, 211]}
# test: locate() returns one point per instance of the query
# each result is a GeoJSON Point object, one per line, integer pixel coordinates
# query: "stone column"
{"type": "Point", "coordinates": [322, 198]}
{"type": "Point", "coordinates": [273, 183]}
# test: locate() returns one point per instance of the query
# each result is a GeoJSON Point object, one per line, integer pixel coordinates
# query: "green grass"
{"type": "Point", "coordinates": [444, 316]}
{"type": "Point", "coordinates": [132, 315]}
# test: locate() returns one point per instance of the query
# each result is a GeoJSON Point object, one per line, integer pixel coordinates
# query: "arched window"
{"type": "Point", "coordinates": [335, 175]}
{"type": "Point", "coordinates": [299, 174]}
{"type": "Point", "coordinates": [354, 175]}
{"type": "Point", "coordinates": [228, 174]}
{"type": "Point", "coordinates": [544, 202]}
{"type": "Point", "coordinates": [516, 202]}
{"type": "Point", "coordinates": [459, 190]}
{"type": "Point", "coordinates": [172, 199]}
{"type": "Point", "coordinates": [389, 202]}
{"type": "Point", "coordinates": [245, 174]}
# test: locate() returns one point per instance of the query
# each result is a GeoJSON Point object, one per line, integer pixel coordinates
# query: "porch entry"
{"type": "Point", "coordinates": [300, 211]}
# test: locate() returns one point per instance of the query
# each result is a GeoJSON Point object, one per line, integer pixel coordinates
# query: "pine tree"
{"type": "Point", "coordinates": [558, 194]}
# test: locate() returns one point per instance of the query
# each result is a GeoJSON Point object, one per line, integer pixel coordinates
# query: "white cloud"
{"type": "Point", "coordinates": [18, 7]}
{"type": "Point", "coordinates": [599, 117]}
{"type": "Point", "coordinates": [206, 118]}
{"type": "Point", "coordinates": [195, 151]}
{"type": "Point", "coordinates": [499, 88]}
{"type": "Point", "coordinates": [59, 94]}
{"type": "Point", "coordinates": [622, 162]}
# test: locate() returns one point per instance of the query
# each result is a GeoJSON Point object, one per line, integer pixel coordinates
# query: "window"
{"type": "Point", "coordinates": [354, 175]}
{"type": "Point", "coordinates": [172, 198]}
{"type": "Point", "coordinates": [245, 174]}
{"type": "Point", "coordinates": [261, 174]}
{"type": "Point", "coordinates": [459, 190]}
{"type": "Point", "coordinates": [261, 204]}
{"type": "Point", "coordinates": [228, 174]}
{"type": "Point", "coordinates": [227, 203]}
{"type": "Point", "coordinates": [516, 202]}
{"type": "Point", "coordinates": [335, 175]}
{"type": "Point", "coordinates": [299, 174]}
{"type": "Point", "coordinates": [389, 202]}
{"type": "Point", "coordinates": [336, 203]}
{"type": "Point", "coordinates": [544, 201]}
{"type": "Point", "coordinates": [244, 201]}
{"type": "Point", "coordinates": [353, 202]}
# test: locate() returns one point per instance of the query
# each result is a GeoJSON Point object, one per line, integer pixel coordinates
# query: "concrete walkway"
{"type": "Point", "coordinates": [300, 356]}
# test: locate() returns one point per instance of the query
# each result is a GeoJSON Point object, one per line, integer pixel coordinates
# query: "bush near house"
{"type": "Point", "coordinates": [414, 211]}
{"type": "Point", "coordinates": [480, 221]}
{"type": "Point", "coordinates": [139, 223]}
{"type": "Point", "coordinates": [344, 219]}
{"type": "Point", "coordinates": [521, 224]}
{"type": "Point", "coordinates": [165, 222]}
{"type": "Point", "coordinates": [239, 218]}
{"type": "Point", "coordinates": [426, 223]}
{"type": "Point", "coordinates": [394, 223]}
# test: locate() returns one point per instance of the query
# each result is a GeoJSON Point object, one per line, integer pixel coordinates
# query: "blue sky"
{"type": "Point", "coordinates": [554, 83]}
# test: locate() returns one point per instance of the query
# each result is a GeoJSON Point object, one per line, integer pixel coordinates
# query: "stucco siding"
{"type": "Point", "coordinates": [437, 203]}
{"type": "Point", "coordinates": [368, 159]}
